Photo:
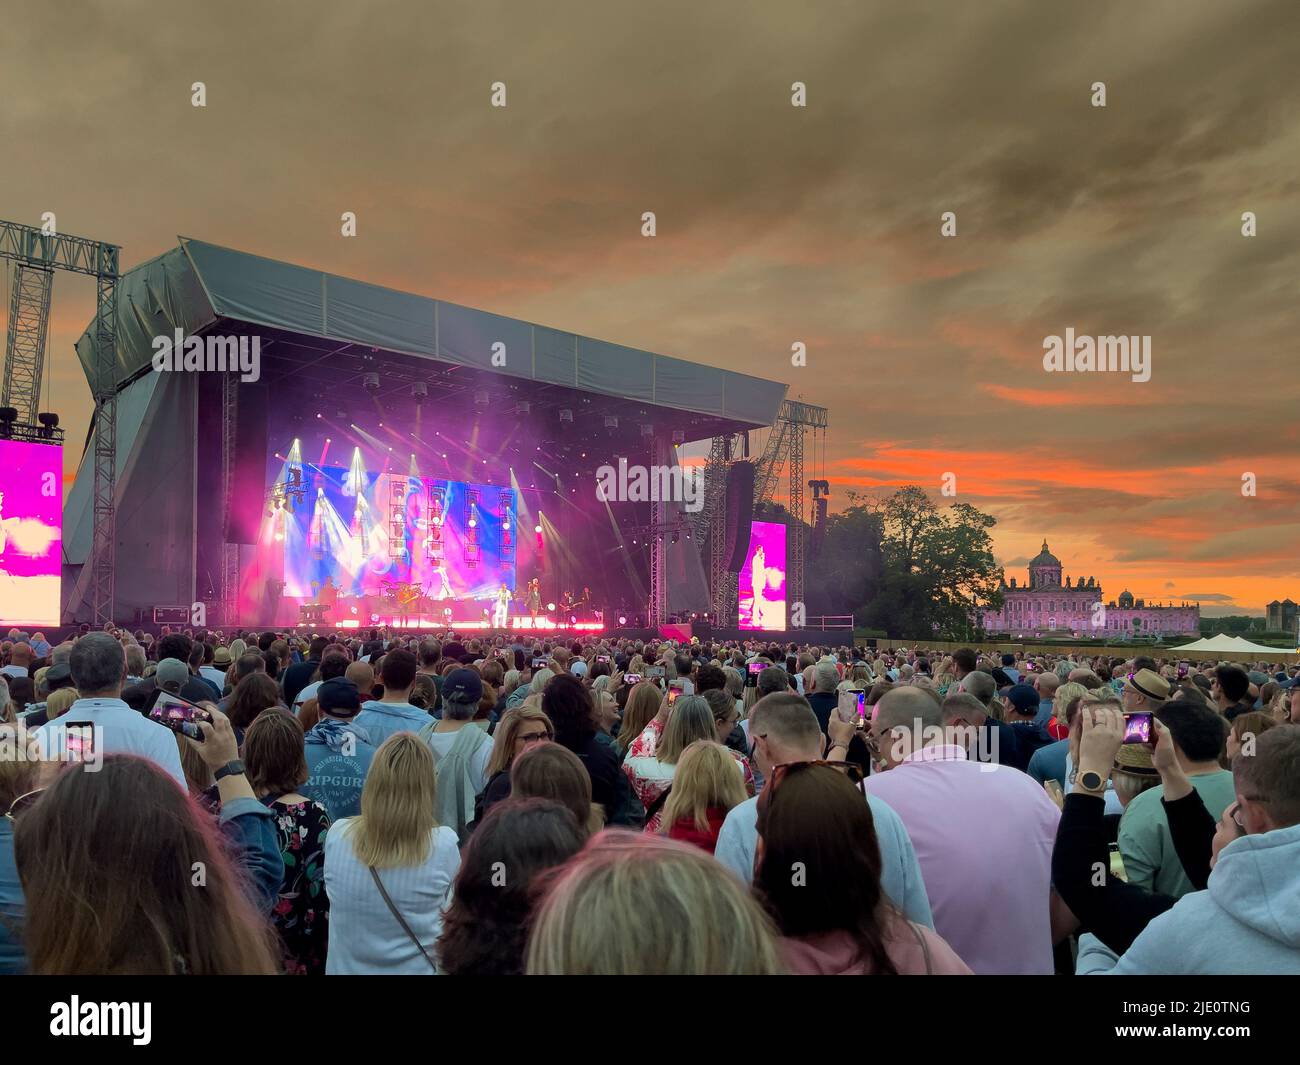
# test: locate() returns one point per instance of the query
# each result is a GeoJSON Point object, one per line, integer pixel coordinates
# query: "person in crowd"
{"type": "Point", "coordinates": [485, 929]}
{"type": "Point", "coordinates": [1242, 734]}
{"type": "Point", "coordinates": [705, 789]}
{"type": "Point", "coordinates": [389, 871]}
{"type": "Point", "coordinates": [1245, 921]}
{"type": "Point", "coordinates": [334, 662]}
{"type": "Point", "coordinates": [1230, 689]}
{"type": "Point", "coordinates": [1049, 763]}
{"type": "Point", "coordinates": [277, 767]}
{"type": "Point", "coordinates": [337, 750]}
{"type": "Point", "coordinates": [692, 917]}
{"type": "Point", "coordinates": [785, 730]}
{"type": "Point", "coordinates": [1145, 846]}
{"type": "Point", "coordinates": [299, 675]}
{"type": "Point", "coordinates": [690, 719]}
{"type": "Point", "coordinates": [22, 777]}
{"type": "Point", "coordinates": [549, 771]}
{"type": "Point", "coordinates": [98, 666]}
{"type": "Point", "coordinates": [21, 658]}
{"type": "Point", "coordinates": [998, 740]}
{"type": "Point", "coordinates": [970, 823]}
{"type": "Point", "coordinates": [566, 702]}
{"type": "Point", "coordinates": [131, 840]}
{"type": "Point", "coordinates": [517, 731]}
{"type": "Point", "coordinates": [461, 752]}
{"type": "Point", "coordinates": [393, 712]}
{"type": "Point", "coordinates": [834, 916]}
{"type": "Point", "coordinates": [1022, 717]}
{"type": "Point", "coordinates": [255, 693]}
{"type": "Point", "coordinates": [643, 705]}
{"type": "Point", "coordinates": [1046, 684]}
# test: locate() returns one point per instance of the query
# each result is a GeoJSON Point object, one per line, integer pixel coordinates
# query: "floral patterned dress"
{"type": "Point", "coordinates": [301, 915]}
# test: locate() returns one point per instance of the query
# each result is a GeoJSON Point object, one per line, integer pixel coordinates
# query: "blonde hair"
{"type": "Point", "coordinates": [641, 707]}
{"type": "Point", "coordinates": [1065, 695]}
{"type": "Point", "coordinates": [60, 702]}
{"type": "Point", "coordinates": [503, 749]}
{"type": "Point", "coordinates": [690, 719]}
{"type": "Point", "coordinates": [693, 917]}
{"type": "Point", "coordinates": [706, 777]}
{"type": "Point", "coordinates": [396, 823]}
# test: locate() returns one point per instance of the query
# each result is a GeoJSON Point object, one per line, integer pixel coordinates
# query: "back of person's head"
{"type": "Point", "coordinates": [709, 678]}
{"type": "Point", "coordinates": [174, 645]}
{"type": "Point", "coordinates": [812, 817]}
{"type": "Point", "coordinates": [485, 929]}
{"type": "Point", "coordinates": [549, 771]}
{"type": "Point", "coordinates": [98, 664]}
{"type": "Point", "coordinates": [247, 664]}
{"type": "Point", "coordinates": [130, 839]}
{"type": "Point", "coordinates": [825, 676]}
{"type": "Point", "coordinates": [693, 917]}
{"type": "Point", "coordinates": [689, 719]}
{"type": "Point", "coordinates": [397, 670]}
{"type": "Point", "coordinates": [908, 707]}
{"type": "Point", "coordinates": [773, 679]}
{"type": "Point", "coordinates": [963, 706]}
{"type": "Point", "coordinates": [60, 702]}
{"type": "Point", "coordinates": [706, 779]}
{"type": "Point", "coordinates": [430, 652]}
{"type": "Point", "coordinates": [398, 800]}
{"type": "Point", "coordinates": [1198, 731]}
{"type": "Point", "coordinates": [362, 674]}
{"type": "Point", "coordinates": [642, 705]}
{"type": "Point", "coordinates": [274, 753]}
{"type": "Point", "coordinates": [788, 724]}
{"type": "Point", "coordinates": [334, 664]}
{"type": "Point", "coordinates": [1233, 682]}
{"type": "Point", "coordinates": [722, 704]}
{"type": "Point", "coordinates": [18, 775]}
{"type": "Point", "coordinates": [252, 695]}
{"type": "Point", "coordinates": [135, 660]}
{"type": "Point", "coordinates": [1270, 778]}
{"type": "Point", "coordinates": [570, 709]}
{"type": "Point", "coordinates": [964, 659]}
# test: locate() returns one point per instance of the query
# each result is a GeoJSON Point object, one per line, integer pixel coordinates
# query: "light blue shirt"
{"type": "Point", "coordinates": [900, 873]}
{"type": "Point", "coordinates": [118, 730]}
{"type": "Point", "coordinates": [381, 720]}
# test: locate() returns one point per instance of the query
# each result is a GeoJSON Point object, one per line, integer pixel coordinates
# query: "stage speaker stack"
{"type": "Point", "coordinates": [740, 512]}
{"type": "Point", "coordinates": [249, 466]}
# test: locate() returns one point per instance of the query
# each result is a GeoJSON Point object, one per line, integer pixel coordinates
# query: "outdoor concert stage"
{"type": "Point", "coordinates": [388, 454]}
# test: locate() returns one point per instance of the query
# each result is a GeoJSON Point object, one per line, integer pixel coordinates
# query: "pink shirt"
{"type": "Point", "coordinates": [983, 836]}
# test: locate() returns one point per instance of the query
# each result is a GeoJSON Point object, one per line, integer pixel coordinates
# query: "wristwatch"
{"type": "Point", "coordinates": [1090, 781]}
{"type": "Point", "coordinates": [230, 769]}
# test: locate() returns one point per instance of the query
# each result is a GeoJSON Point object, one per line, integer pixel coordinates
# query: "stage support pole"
{"type": "Point", "coordinates": [658, 612]}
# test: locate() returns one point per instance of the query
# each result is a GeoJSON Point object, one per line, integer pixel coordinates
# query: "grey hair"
{"type": "Point", "coordinates": [135, 660]}
{"type": "Point", "coordinates": [979, 684]}
{"type": "Point", "coordinates": [456, 710]}
{"type": "Point", "coordinates": [98, 664]}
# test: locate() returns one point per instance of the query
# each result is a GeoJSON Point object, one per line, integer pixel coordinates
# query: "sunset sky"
{"type": "Point", "coordinates": [776, 224]}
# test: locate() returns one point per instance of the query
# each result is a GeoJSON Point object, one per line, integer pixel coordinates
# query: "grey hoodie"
{"type": "Point", "coordinates": [1246, 921]}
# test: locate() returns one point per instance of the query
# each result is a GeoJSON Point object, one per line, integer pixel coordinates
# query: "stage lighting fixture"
{"type": "Point", "coordinates": [49, 422]}
{"type": "Point", "coordinates": [566, 415]}
{"type": "Point", "coordinates": [622, 619]}
{"type": "Point", "coordinates": [537, 529]}
{"type": "Point", "coordinates": [482, 399]}
{"type": "Point", "coordinates": [611, 421]}
{"type": "Point", "coordinates": [679, 437]}
{"type": "Point", "coordinates": [354, 610]}
{"type": "Point", "coordinates": [647, 430]}
{"type": "Point", "coordinates": [550, 606]}
{"type": "Point", "coordinates": [523, 407]}
{"type": "Point", "coordinates": [473, 522]}
{"type": "Point", "coordinates": [419, 392]}
{"type": "Point", "coordinates": [370, 382]}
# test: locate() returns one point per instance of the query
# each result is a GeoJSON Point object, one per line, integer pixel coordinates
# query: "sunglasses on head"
{"type": "Point", "coordinates": [23, 803]}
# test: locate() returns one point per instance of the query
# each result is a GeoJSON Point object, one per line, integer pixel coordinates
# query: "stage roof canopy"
{"type": "Point", "coordinates": [321, 329]}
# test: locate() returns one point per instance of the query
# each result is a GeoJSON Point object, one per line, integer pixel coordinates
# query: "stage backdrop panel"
{"type": "Point", "coordinates": [31, 532]}
{"type": "Point", "coordinates": [761, 583]}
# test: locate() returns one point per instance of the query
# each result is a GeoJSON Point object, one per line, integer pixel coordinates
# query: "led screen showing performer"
{"type": "Point", "coordinates": [761, 584]}
{"type": "Point", "coordinates": [31, 532]}
{"type": "Point", "coordinates": [365, 534]}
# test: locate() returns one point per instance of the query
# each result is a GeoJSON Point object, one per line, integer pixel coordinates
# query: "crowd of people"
{"type": "Point", "coordinates": [377, 802]}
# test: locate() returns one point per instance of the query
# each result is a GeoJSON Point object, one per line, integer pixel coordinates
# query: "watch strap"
{"type": "Point", "coordinates": [230, 769]}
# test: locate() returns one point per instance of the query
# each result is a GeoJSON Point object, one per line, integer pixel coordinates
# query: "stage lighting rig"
{"type": "Point", "coordinates": [370, 382]}
{"type": "Point", "coordinates": [419, 392]}
{"type": "Point", "coordinates": [8, 415]}
{"type": "Point", "coordinates": [566, 416]}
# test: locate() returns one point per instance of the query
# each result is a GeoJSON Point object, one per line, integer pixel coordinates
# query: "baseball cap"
{"type": "Point", "coordinates": [338, 696]}
{"type": "Point", "coordinates": [58, 676]}
{"type": "Point", "coordinates": [1024, 698]}
{"type": "Point", "coordinates": [462, 686]}
{"type": "Point", "coordinates": [171, 675]}
{"type": "Point", "coordinates": [578, 668]}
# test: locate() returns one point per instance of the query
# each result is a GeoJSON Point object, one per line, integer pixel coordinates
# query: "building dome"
{"type": "Point", "coordinates": [1125, 598]}
{"type": "Point", "coordinates": [1044, 558]}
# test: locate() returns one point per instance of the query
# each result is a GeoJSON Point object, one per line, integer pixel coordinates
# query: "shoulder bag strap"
{"type": "Point", "coordinates": [400, 919]}
{"type": "Point", "coordinates": [925, 948]}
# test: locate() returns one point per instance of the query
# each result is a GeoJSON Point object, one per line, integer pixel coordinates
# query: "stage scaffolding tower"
{"type": "Point", "coordinates": [229, 551]}
{"type": "Point", "coordinates": [36, 254]}
{"type": "Point", "coordinates": [658, 609]}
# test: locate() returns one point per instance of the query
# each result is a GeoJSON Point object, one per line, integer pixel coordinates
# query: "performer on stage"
{"type": "Point", "coordinates": [502, 611]}
{"type": "Point", "coordinates": [328, 596]}
{"type": "Point", "coordinates": [444, 583]}
{"type": "Point", "coordinates": [534, 598]}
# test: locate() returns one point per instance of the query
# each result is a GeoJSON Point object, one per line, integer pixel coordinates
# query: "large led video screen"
{"type": "Point", "coordinates": [31, 533]}
{"type": "Point", "coordinates": [761, 583]}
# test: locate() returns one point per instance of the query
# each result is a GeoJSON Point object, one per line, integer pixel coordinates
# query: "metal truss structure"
{"type": "Point", "coordinates": [36, 254]}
